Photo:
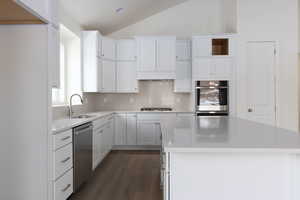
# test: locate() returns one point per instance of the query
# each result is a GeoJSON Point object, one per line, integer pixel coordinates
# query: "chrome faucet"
{"type": "Point", "coordinates": [70, 105]}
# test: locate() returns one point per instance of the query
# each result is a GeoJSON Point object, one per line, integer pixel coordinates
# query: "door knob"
{"type": "Point", "coordinates": [250, 110]}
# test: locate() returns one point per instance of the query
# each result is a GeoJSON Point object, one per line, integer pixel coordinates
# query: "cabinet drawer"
{"type": "Point", "coordinates": [62, 139]}
{"type": "Point", "coordinates": [63, 187]}
{"type": "Point", "coordinates": [63, 160]}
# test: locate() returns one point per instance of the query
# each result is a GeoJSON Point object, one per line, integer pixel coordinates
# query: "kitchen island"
{"type": "Point", "coordinates": [224, 158]}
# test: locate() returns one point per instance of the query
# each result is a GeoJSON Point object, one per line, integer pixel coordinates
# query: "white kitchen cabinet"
{"type": "Point", "coordinates": [40, 8]}
{"type": "Point", "coordinates": [218, 68]}
{"type": "Point", "coordinates": [166, 54]}
{"type": "Point", "coordinates": [156, 58]}
{"type": "Point", "coordinates": [213, 45]}
{"type": "Point", "coordinates": [126, 77]}
{"type": "Point", "coordinates": [98, 134]}
{"type": "Point", "coordinates": [54, 55]}
{"type": "Point", "coordinates": [131, 129]}
{"type": "Point", "coordinates": [108, 76]}
{"type": "Point", "coordinates": [183, 81]}
{"type": "Point", "coordinates": [109, 135]}
{"type": "Point", "coordinates": [201, 68]}
{"type": "Point", "coordinates": [147, 133]}
{"type": "Point", "coordinates": [183, 50]}
{"type": "Point", "coordinates": [108, 48]}
{"type": "Point", "coordinates": [202, 47]}
{"type": "Point", "coordinates": [91, 63]}
{"type": "Point", "coordinates": [222, 68]}
{"type": "Point", "coordinates": [126, 50]}
{"type": "Point", "coordinates": [146, 54]}
{"type": "Point", "coordinates": [120, 129]}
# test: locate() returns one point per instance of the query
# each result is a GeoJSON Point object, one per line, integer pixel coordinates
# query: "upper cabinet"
{"type": "Point", "coordinates": [156, 57]}
{"type": "Point", "coordinates": [183, 50]}
{"type": "Point", "coordinates": [91, 63]}
{"type": "Point", "coordinates": [206, 46]}
{"type": "Point", "coordinates": [183, 81]}
{"type": "Point", "coordinates": [126, 50]}
{"type": "Point", "coordinates": [28, 11]}
{"type": "Point", "coordinates": [213, 57]}
{"type": "Point", "coordinates": [108, 50]}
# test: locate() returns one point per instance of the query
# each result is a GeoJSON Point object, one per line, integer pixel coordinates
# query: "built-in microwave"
{"type": "Point", "coordinates": [212, 98]}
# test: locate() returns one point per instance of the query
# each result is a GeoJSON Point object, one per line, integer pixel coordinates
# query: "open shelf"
{"type": "Point", "coordinates": [220, 47]}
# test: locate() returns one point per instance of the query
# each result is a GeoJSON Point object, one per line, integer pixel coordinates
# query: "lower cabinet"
{"type": "Point", "coordinates": [148, 133]}
{"type": "Point", "coordinates": [131, 129]}
{"type": "Point", "coordinates": [120, 129]}
{"type": "Point", "coordinates": [103, 134]}
{"type": "Point", "coordinates": [63, 165]}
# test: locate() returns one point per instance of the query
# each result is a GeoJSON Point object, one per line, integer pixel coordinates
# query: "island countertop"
{"type": "Point", "coordinates": [226, 134]}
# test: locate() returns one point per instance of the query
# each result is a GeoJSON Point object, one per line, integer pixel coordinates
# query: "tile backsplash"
{"type": "Point", "coordinates": [151, 94]}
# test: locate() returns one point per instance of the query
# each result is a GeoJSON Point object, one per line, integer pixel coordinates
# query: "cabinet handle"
{"type": "Point", "coordinates": [65, 138]}
{"type": "Point", "coordinates": [65, 160]}
{"type": "Point", "coordinates": [67, 187]}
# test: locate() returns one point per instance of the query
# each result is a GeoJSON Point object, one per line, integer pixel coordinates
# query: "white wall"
{"type": "Point", "coordinates": [184, 20]}
{"type": "Point", "coordinates": [272, 20]}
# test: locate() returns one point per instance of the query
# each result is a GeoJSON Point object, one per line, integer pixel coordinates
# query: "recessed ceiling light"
{"type": "Point", "coordinates": [118, 10]}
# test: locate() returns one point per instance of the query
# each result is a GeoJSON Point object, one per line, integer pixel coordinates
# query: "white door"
{"type": "Point", "coordinates": [108, 48]}
{"type": "Point", "coordinates": [108, 76]}
{"type": "Point", "coordinates": [147, 55]}
{"type": "Point", "coordinates": [221, 68]}
{"type": "Point", "coordinates": [202, 47]}
{"type": "Point", "coordinates": [126, 77]}
{"type": "Point", "coordinates": [183, 50]}
{"type": "Point", "coordinates": [126, 50]}
{"type": "Point", "coordinates": [120, 129]}
{"type": "Point", "coordinates": [147, 133]}
{"type": "Point", "coordinates": [183, 77]}
{"type": "Point", "coordinates": [131, 133]}
{"type": "Point", "coordinates": [166, 54]}
{"type": "Point", "coordinates": [261, 81]}
{"type": "Point", "coordinates": [202, 68]}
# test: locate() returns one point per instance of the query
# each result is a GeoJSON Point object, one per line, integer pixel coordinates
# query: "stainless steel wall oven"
{"type": "Point", "coordinates": [212, 98]}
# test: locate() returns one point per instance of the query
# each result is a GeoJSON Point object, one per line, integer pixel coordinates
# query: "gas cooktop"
{"type": "Point", "coordinates": [156, 109]}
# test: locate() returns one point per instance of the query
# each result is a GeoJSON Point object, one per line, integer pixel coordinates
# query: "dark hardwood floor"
{"type": "Point", "coordinates": [124, 175]}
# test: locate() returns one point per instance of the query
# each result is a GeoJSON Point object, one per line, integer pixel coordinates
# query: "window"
{"type": "Point", "coordinates": [70, 68]}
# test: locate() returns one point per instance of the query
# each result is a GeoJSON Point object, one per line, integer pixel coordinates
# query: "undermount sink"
{"type": "Point", "coordinates": [83, 116]}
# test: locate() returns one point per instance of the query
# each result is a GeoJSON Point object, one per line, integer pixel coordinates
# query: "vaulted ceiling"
{"type": "Point", "coordinates": [102, 14]}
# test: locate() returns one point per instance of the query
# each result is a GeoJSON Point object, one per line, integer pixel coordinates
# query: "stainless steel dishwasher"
{"type": "Point", "coordinates": [82, 154]}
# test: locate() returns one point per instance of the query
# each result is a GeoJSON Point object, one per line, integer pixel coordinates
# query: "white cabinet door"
{"type": "Point", "coordinates": [221, 68]}
{"type": "Point", "coordinates": [202, 68]}
{"type": "Point", "coordinates": [108, 76]}
{"type": "Point", "coordinates": [183, 50]}
{"type": "Point", "coordinates": [126, 77]}
{"type": "Point", "coordinates": [126, 50]}
{"type": "Point", "coordinates": [166, 54]}
{"type": "Point", "coordinates": [91, 64]}
{"type": "Point", "coordinates": [108, 48]}
{"type": "Point", "coordinates": [202, 47]}
{"type": "Point", "coordinates": [54, 53]}
{"type": "Point", "coordinates": [146, 54]}
{"type": "Point", "coordinates": [120, 129]}
{"type": "Point", "coordinates": [37, 7]}
{"type": "Point", "coordinates": [131, 136]}
{"type": "Point", "coordinates": [147, 133]}
{"type": "Point", "coordinates": [97, 148]}
{"type": "Point", "coordinates": [183, 82]}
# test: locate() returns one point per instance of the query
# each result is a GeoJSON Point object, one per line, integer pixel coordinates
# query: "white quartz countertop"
{"type": "Point", "coordinates": [226, 134]}
{"type": "Point", "coordinates": [61, 125]}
